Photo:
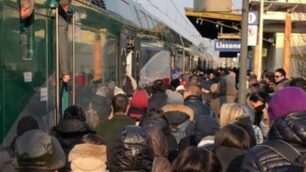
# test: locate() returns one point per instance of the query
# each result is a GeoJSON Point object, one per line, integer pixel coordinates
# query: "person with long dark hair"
{"type": "Point", "coordinates": [196, 160]}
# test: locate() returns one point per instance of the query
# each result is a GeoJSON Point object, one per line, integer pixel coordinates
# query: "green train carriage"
{"type": "Point", "coordinates": [99, 41]}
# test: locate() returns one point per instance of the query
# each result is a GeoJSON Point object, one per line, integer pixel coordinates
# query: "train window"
{"type": "Point", "coordinates": [138, 17]}
{"type": "Point", "coordinates": [99, 3]}
{"type": "Point", "coordinates": [151, 22]}
{"type": "Point", "coordinates": [26, 13]}
{"type": "Point", "coordinates": [144, 19]}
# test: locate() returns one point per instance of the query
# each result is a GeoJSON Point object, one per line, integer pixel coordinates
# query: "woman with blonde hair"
{"type": "Point", "coordinates": [234, 113]}
{"type": "Point", "coordinates": [230, 112]}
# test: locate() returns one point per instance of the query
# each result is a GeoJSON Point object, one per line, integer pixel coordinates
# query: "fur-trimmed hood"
{"type": "Point", "coordinates": [177, 114]}
{"type": "Point", "coordinates": [178, 109]}
{"type": "Point", "coordinates": [88, 158]}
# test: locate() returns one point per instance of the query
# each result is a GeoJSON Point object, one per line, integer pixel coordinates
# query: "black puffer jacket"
{"type": "Point", "coordinates": [291, 129]}
{"type": "Point", "coordinates": [131, 151]}
{"type": "Point", "coordinates": [197, 105]}
{"type": "Point", "coordinates": [160, 122]}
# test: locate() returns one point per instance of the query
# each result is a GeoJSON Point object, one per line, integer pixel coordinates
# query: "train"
{"type": "Point", "coordinates": [106, 40]}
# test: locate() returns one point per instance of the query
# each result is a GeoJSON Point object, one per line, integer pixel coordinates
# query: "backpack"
{"type": "Point", "coordinates": [288, 152]}
{"type": "Point", "coordinates": [179, 131]}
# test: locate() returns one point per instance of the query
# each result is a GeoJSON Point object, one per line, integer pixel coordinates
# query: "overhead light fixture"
{"type": "Point", "coordinates": [199, 21]}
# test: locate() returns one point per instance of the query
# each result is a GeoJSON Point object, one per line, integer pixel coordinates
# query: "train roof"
{"type": "Point", "coordinates": [147, 18]}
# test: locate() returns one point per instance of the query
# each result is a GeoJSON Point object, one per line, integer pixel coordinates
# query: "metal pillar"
{"type": "Point", "coordinates": [243, 53]}
{"type": "Point", "coordinates": [184, 65]}
{"type": "Point", "coordinates": [57, 115]}
{"type": "Point", "coordinates": [73, 60]}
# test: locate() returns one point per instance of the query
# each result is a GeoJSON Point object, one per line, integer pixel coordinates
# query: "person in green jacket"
{"type": "Point", "coordinates": [108, 127]}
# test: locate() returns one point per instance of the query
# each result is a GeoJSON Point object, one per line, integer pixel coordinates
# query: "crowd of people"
{"type": "Point", "coordinates": [188, 123]}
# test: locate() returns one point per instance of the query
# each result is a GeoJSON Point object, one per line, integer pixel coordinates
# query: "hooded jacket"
{"type": "Point", "coordinates": [131, 151]}
{"type": "Point", "coordinates": [181, 124]}
{"type": "Point", "coordinates": [160, 122]}
{"type": "Point", "coordinates": [88, 158]}
{"type": "Point", "coordinates": [290, 129]}
{"type": "Point", "coordinates": [69, 133]}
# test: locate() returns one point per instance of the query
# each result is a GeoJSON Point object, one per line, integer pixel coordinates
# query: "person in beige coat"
{"type": "Point", "coordinates": [88, 158]}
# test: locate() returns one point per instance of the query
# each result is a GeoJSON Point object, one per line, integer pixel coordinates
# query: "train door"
{"type": "Point", "coordinates": [26, 54]}
{"type": "Point", "coordinates": [133, 59]}
{"type": "Point", "coordinates": [129, 55]}
{"type": "Point", "coordinates": [95, 51]}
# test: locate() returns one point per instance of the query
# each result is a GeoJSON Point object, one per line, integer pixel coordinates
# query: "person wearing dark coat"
{"type": "Point", "coordinates": [159, 96]}
{"type": "Point", "coordinates": [131, 150]}
{"type": "Point", "coordinates": [159, 143]}
{"type": "Point", "coordinates": [287, 108]}
{"type": "Point", "coordinates": [155, 119]}
{"type": "Point", "coordinates": [205, 124]}
{"type": "Point", "coordinates": [71, 129]}
{"type": "Point", "coordinates": [181, 124]}
{"type": "Point", "coordinates": [193, 99]}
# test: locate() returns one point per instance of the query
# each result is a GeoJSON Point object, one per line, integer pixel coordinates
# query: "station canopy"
{"type": "Point", "coordinates": [212, 25]}
{"type": "Point", "coordinates": [277, 23]}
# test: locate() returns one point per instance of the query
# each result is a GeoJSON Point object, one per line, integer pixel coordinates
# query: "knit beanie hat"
{"type": "Point", "coordinates": [286, 100]}
{"type": "Point", "coordinates": [174, 97]}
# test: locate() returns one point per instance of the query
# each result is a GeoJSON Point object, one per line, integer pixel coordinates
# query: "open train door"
{"type": "Point", "coordinates": [65, 62]}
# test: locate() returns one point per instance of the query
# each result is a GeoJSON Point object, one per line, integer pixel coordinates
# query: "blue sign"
{"type": "Point", "coordinates": [228, 45]}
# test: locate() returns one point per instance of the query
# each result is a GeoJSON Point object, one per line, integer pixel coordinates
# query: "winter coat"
{"type": "Point", "coordinates": [205, 126]}
{"type": "Point", "coordinates": [196, 104]}
{"type": "Point", "coordinates": [180, 119]}
{"type": "Point", "coordinates": [291, 129]}
{"type": "Point", "coordinates": [131, 151]}
{"type": "Point", "coordinates": [138, 104]}
{"type": "Point", "coordinates": [258, 134]}
{"type": "Point", "coordinates": [107, 128]}
{"type": "Point", "coordinates": [160, 122]}
{"type": "Point", "coordinates": [69, 133]}
{"type": "Point", "coordinates": [88, 158]}
{"type": "Point", "coordinates": [226, 93]}
{"type": "Point", "coordinates": [181, 123]}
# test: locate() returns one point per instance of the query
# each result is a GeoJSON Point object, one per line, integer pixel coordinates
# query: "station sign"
{"type": "Point", "coordinates": [252, 28]}
{"type": "Point", "coordinates": [253, 18]}
{"type": "Point", "coordinates": [228, 45]}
